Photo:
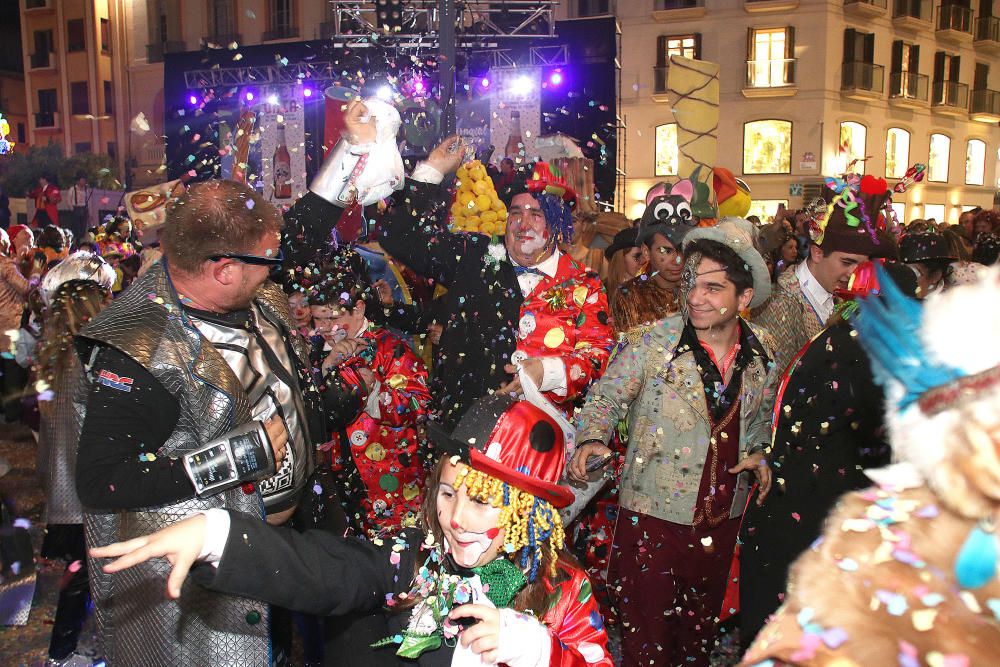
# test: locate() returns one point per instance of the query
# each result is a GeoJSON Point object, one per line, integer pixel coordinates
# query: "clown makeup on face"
{"type": "Point", "coordinates": [528, 238]}
{"type": "Point", "coordinates": [299, 310]}
{"type": "Point", "coordinates": [469, 525]}
{"type": "Point", "coordinates": [337, 323]}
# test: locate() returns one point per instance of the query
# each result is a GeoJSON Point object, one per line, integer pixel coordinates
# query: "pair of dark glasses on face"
{"type": "Point", "coordinates": [274, 261]}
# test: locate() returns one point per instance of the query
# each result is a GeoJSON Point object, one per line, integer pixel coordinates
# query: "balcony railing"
{"type": "Point", "coordinates": [771, 73]}
{"type": "Point", "coordinates": [950, 94]}
{"type": "Point", "coordinates": [908, 85]}
{"type": "Point", "coordinates": [678, 4]}
{"type": "Point", "coordinates": [863, 76]}
{"type": "Point", "coordinates": [985, 102]}
{"type": "Point", "coordinates": [987, 29]}
{"type": "Point", "coordinates": [284, 32]}
{"type": "Point", "coordinates": [224, 39]}
{"type": "Point", "coordinates": [876, 4]}
{"type": "Point", "coordinates": [45, 119]}
{"type": "Point", "coordinates": [42, 60]}
{"type": "Point", "coordinates": [914, 9]}
{"type": "Point", "coordinates": [154, 52]}
{"type": "Point", "coordinates": [954, 17]}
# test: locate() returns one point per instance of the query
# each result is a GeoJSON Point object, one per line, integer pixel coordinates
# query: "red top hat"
{"type": "Point", "coordinates": [545, 179]}
{"type": "Point", "coordinates": [514, 441]}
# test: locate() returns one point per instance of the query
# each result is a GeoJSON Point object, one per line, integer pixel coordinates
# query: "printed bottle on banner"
{"type": "Point", "coordinates": [282, 167]}
{"type": "Point", "coordinates": [515, 142]}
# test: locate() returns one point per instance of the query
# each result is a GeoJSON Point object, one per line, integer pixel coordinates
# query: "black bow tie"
{"type": "Point", "coordinates": [530, 270]}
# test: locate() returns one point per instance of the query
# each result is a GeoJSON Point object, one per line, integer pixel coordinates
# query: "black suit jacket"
{"type": "Point", "coordinates": [319, 573]}
{"type": "Point", "coordinates": [482, 306]}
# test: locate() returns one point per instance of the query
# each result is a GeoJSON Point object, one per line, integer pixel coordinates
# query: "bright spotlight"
{"type": "Point", "coordinates": [384, 93]}
{"type": "Point", "coordinates": [485, 83]}
{"type": "Point", "coordinates": [193, 100]}
{"type": "Point", "coordinates": [307, 92]}
{"type": "Point", "coordinates": [272, 99]}
{"type": "Point", "coordinates": [522, 86]}
{"type": "Point", "coordinates": [249, 96]}
{"type": "Point", "coordinates": [556, 78]}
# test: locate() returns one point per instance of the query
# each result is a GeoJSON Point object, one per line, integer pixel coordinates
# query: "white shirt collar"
{"type": "Point", "coordinates": [816, 295]}
{"type": "Point", "coordinates": [549, 266]}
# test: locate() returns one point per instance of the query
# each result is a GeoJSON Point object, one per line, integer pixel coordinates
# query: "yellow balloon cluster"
{"type": "Point", "coordinates": [477, 207]}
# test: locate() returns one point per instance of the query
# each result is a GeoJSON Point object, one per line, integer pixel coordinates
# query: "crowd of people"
{"type": "Point", "coordinates": [372, 435]}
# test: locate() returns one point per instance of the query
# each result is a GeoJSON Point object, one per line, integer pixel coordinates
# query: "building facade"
{"type": "Point", "coordinates": [73, 82]}
{"type": "Point", "coordinates": [808, 86]}
{"type": "Point", "coordinates": [158, 27]}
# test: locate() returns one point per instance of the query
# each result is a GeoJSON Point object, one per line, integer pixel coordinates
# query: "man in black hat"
{"type": "Point", "coordinates": [803, 299]}
{"type": "Point", "coordinates": [929, 255]}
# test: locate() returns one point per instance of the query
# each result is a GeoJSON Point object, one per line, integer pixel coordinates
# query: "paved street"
{"type": "Point", "coordinates": [26, 646]}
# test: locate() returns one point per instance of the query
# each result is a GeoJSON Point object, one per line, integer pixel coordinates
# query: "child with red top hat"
{"type": "Point", "coordinates": [485, 579]}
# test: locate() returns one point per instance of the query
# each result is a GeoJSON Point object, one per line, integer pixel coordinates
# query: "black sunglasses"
{"type": "Point", "coordinates": [274, 260]}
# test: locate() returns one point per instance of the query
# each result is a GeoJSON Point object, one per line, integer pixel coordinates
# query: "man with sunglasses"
{"type": "Point", "coordinates": [195, 396]}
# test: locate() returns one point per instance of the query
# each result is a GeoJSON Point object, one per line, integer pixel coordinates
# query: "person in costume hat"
{"type": "Point", "coordinates": [652, 295]}
{"type": "Point", "coordinates": [73, 291]}
{"type": "Point", "coordinates": [843, 234]}
{"type": "Point", "coordinates": [15, 286]}
{"type": "Point", "coordinates": [379, 454]}
{"type": "Point", "coordinates": [828, 428]}
{"type": "Point", "coordinates": [624, 260]}
{"type": "Point", "coordinates": [930, 256]}
{"type": "Point", "coordinates": [697, 391]}
{"type": "Point", "coordinates": [514, 306]}
{"type": "Point", "coordinates": [906, 571]}
{"type": "Point", "coordinates": [484, 580]}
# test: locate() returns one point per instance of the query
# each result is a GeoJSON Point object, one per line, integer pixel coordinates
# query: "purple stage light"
{"type": "Point", "coordinates": [418, 86]}
{"type": "Point", "coordinates": [556, 78]}
{"type": "Point", "coordinates": [485, 82]}
{"type": "Point", "coordinates": [307, 92]}
{"type": "Point", "coordinates": [248, 96]}
{"type": "Point", "coordinates": [193, 100]}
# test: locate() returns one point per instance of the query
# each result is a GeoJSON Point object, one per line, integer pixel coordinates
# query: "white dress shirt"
{"type": "Point", "coordinates": [815, 294]}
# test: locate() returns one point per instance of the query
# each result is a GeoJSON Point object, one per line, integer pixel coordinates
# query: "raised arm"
{"type": "Point", "coordinates": [314, 572]}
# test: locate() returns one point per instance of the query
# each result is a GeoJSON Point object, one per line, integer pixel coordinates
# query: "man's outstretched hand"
{"type": "Point", "coordinates": [179, 543]}
{"type": "Point", "coordinates": [448, 155]}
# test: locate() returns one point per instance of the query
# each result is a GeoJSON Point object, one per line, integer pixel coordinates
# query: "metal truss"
{"type": "Point", "coordinates": [480, 19]}
{"type": "Point", "coordinates": [534, 56]}
{"type": "Point", "coordinates": [263, 75]}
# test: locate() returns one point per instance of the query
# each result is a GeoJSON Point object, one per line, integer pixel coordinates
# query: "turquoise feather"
{"type": "Point", "coordinates": [977, 561]}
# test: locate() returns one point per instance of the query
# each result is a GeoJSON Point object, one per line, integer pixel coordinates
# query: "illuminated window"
{"type": "Point", "coordinates": [852, 146]}
{"type": "Point", "coordinates": [897, 153]}
{"type": "Point", "coordinates": [770, 58]}
{"type": "Point", "coordinates": [937, 160]}
{"type": "Point", "coordinates": [666, 150]}
{"type": "Point", "coordinates": [767, 147]}
{"type": "Point", "coordinates": [975, 162]}
{"type": "Point", "coordinates": [934, 212]}
{"type": "Point", "coordinates": [899, 208]}
{"type": "Point", "coordinates": [765, 208]}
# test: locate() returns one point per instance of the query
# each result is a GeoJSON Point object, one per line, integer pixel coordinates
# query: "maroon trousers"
{"type": "Point", "coordinates": [669, 587]}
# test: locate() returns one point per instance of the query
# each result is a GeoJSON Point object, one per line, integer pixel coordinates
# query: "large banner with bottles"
{"type": "Point", "coordinates": [515, 113]}
{"type": "Point", "coordinates": [282, 145]}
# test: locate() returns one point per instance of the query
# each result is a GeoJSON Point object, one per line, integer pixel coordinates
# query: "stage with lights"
{"type": "Point", "coordinates": [290, 95]}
